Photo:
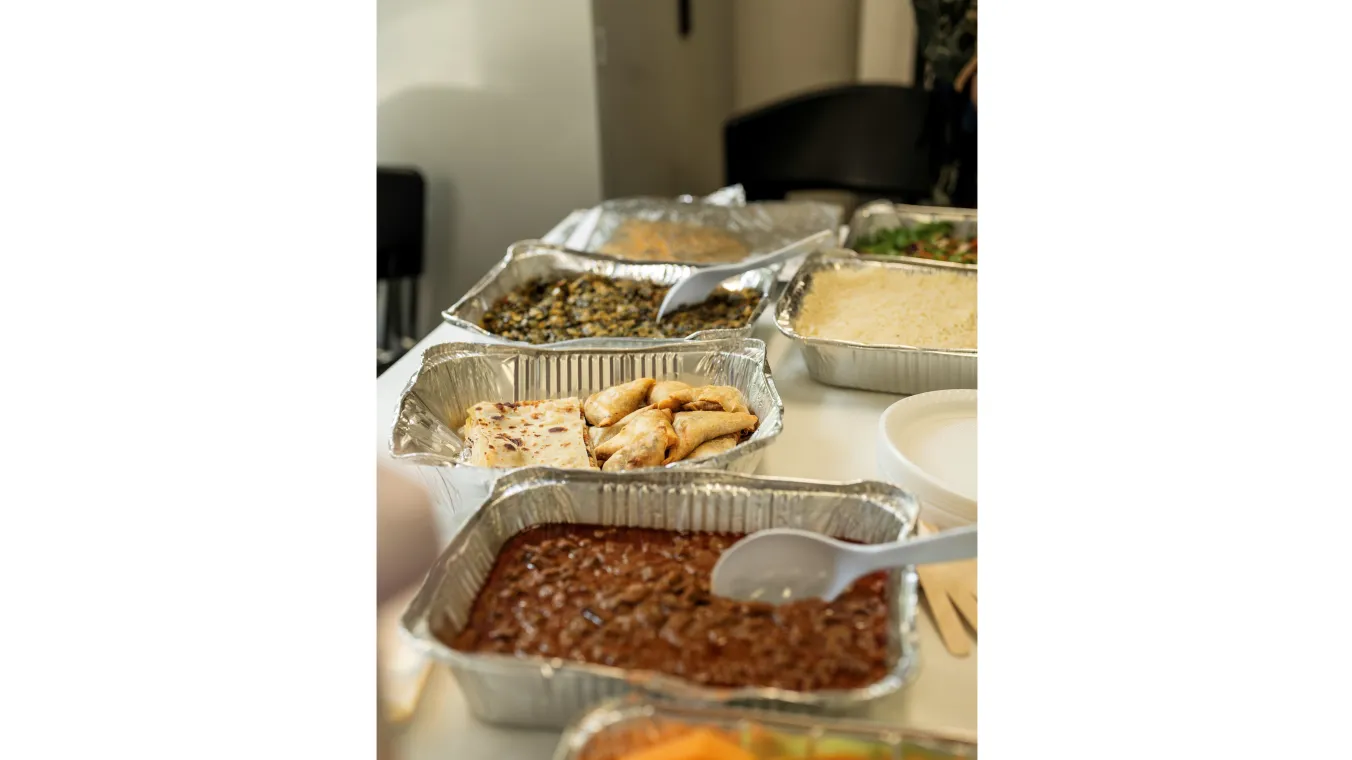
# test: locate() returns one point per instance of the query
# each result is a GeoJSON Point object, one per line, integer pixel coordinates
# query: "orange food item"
{"type": "Point", "coordinates": [850, 756]}
{"type": "Point", "coordinates": [763, 742]}
{"type": "Point", "coordinates": [702, 744]}
{"type": "Point", "coordinates": [673, 241]}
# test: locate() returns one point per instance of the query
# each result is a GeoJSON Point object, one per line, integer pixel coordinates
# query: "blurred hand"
{"type": "Point", "coordinates": [406, 545]}
{"type": "Point", "coordinates": [966, 80]}
{"type": "Point", "coordinates": [406, 535]}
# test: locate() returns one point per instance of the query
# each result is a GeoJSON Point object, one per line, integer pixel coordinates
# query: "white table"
{"type": "Point", "coordinates": [828, 435]}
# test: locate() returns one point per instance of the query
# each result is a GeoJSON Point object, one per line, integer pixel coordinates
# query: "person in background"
{"type": "Point", "coordinates": [946, 65]}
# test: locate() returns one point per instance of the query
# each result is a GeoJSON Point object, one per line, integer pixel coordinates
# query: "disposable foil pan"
{"type": "Point", "coordinates": [532, 260]}
{"type": "Point", "coordinates": [538, 692]}
{"type": "Point", "coordinates": [455, 376]}
{"type": "Point", "coordinates": [732, 195]}
{"type": "Point", "coordinates": [873, 366]}
{"type": "Point", "coordinates": [762, 226]}
{"type": "Point", "coordinates": [622, 726]}
{"type": "Point", "coordinates": [885, 215]}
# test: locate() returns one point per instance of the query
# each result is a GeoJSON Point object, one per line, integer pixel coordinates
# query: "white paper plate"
{"type": "Point", "coordinates": [927, 445]}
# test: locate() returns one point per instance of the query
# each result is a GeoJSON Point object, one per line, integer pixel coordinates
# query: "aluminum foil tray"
{"type": "Point", "coordinates": [622, 726]}
{"type": "Point", "coordinates": [762, 226]}
{"type": "Point", "coordinates": [531, 260]}
{"type": "Point", "coordinates": [732, 195]}
{"type": "Point", "coordinates": [885, 215]}
{"type": "Point", "coordinates": [455, 376]}
{"type": "Point", "coordinates": [533, 691]}
{"type": "Point", "coordinates": [871, 366]}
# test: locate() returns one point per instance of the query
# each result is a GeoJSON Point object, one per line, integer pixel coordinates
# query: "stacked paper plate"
{"type": "Point", "coordinates": [927, 445]}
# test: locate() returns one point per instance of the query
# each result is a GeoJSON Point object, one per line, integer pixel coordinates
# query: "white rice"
{"type": "Point", "coordinates": [891, 306]}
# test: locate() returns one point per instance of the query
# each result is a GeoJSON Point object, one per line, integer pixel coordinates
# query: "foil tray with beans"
{"type": "Point", "coordinates": [540, 607]}
{"type": "Point", "coordinates": [640, 599]}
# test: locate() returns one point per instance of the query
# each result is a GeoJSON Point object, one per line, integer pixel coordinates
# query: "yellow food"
{"type": "Point", "coordinates": [702, 744]}
{"type": "Point", "coordinates": [890, 307]}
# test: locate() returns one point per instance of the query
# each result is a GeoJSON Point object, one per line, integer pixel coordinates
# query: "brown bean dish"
{"type": "Point", "coordinates": [591, 306]}
{"type": "Point", "coordinates": [639, 599]}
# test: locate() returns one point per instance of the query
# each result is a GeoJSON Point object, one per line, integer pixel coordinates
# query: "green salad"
{"type": "Point", "coordinates": [931, 240]}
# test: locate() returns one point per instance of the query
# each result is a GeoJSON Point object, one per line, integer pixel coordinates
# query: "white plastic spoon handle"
{"type": "Point", "coordinates": [949, 546]}
{"type": "Point", "coordinates": [783, 254]}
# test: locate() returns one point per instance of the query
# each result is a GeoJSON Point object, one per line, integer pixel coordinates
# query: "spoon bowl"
{"type": "Point", "coordinates": [697, 287]}
{"type": "Point", "coordinates": [780, 566]}
{"type": "Point", "coordinates": [783, 565]}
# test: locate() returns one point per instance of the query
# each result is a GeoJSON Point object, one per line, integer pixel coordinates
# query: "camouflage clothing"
{"type": "Point", "coordinates": [946, 39]}
{"type": "Point", "coordinates": [946, 42]}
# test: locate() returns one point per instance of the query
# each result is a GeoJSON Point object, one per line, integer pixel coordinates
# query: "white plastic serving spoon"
{"type": "Point", "coordinates": [786, 564]}
{"type": "Point", "coordinates": [697, 287]}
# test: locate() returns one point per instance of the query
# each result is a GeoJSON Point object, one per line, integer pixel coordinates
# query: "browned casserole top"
{"type": "Point", "coordinates": [639, 599]}
{"type": "Point", "coordinates": [673, 241]}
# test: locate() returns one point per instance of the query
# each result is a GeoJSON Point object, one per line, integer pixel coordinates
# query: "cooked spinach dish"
{"type": "Point", "coordinates": [593, 306]}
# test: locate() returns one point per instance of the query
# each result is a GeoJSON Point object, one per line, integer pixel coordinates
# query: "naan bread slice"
{"type": "Point", "coordinates": [519, 434]}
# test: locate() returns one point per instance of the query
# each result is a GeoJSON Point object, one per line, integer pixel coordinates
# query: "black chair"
{"type": "Point", "coordinates": [879, 141]}
{"type": "Point", "coordinates": [401, 211]}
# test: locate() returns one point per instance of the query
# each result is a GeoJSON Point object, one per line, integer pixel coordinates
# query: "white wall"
{"type": "Point", "coordinates": [787, 47]}
{"type": "Point", "coordinates": [663, 98]}
{"type": "Point", "coordinates": [495, 101]}
{"type": "Point", "coordinates": [887, 40]}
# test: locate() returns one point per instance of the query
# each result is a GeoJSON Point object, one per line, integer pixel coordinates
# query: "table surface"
{"type": "Point", "coordinates": [829, 434]}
